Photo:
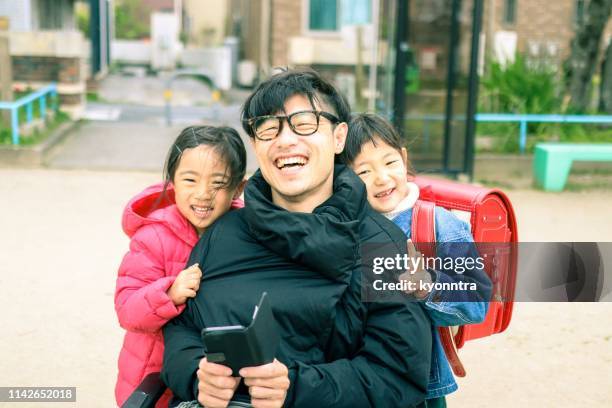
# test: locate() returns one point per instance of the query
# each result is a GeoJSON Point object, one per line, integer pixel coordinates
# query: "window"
{"type": "Point", "coordinates": [510, 11]}
{"type": "Point", "coordinates": [55, 15]}
{"type": "Point", "coordinates": [323, 15]}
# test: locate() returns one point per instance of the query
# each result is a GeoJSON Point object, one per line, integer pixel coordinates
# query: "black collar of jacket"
{"type": "Point", "coordinates": [326, 240]}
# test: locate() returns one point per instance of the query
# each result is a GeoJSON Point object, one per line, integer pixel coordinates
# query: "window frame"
{"type": "Point", "coordinates": [320, 33]}
{"type": "Point", "coordinates": [52, 16]}
{"type": "Point", "coordinates": [509, 11]}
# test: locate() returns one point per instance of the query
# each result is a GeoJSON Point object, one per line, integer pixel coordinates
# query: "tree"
{"type": "Point", "coordinates": [82, 17]}
{"type": "Point", "coordinates": [585, 52]}
{"type": "Point", "coordinates": [132, 20]}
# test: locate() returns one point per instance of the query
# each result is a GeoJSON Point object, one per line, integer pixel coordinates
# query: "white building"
{"type": "Point", "coordinates": [46, 46]}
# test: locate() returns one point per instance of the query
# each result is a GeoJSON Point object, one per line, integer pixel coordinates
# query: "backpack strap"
{"type": "Point", "coordinates": [423, 227]}
{"type": "Point", "coordinates": [423, 233]}
{"type": "Point", "coordinates": [450, 349]}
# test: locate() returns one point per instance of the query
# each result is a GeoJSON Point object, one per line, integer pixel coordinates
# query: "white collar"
{"type": "Point", "coordinates": [406, 203]}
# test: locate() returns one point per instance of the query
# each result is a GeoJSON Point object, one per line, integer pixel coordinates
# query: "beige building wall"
{"type": "Point", "coordinates": [286, 23]}
{"type": "Point", "coordinates": [207, 20]}
{"type": "Point", "coordinates": [541, 25]}
{"type": "Point", "coordinates": [538, 23]}
{"type": "Point", "coordinates": [251, 37]}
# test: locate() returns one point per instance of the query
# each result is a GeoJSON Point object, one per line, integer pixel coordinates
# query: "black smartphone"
{"type": "Point", "coordinates": [239, 346]}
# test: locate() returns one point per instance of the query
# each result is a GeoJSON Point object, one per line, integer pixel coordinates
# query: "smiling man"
{"type": "Point", "coordinates": [295, 158]}
{"type": "Point", "coordinates": [299, 239]}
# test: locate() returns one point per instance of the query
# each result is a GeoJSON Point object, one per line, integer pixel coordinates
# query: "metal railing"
{"type": "Point", "coordinates": [28, 101]}
{"type": "Point", "coordinates": [521, 119]}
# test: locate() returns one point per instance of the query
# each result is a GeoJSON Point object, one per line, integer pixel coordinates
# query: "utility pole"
{"type": "Point", "coordinates": [6, 69]}
{"type": "Point", "coordinates": [359, 74]}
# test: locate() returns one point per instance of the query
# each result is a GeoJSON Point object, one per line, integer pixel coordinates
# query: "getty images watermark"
{"type": "Point", "coordinates": [413, 264]}
{"type": "Point", "coordinates": [473, 272]}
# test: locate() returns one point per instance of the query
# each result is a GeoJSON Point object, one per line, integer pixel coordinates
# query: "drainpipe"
{"type": "Point", "coordinates": [374, 60]}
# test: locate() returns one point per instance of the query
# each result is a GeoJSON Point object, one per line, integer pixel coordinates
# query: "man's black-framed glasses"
{"type": "Point", "coordinates": [303, 123]}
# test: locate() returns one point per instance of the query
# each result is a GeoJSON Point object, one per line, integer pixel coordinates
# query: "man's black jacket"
{"type": "Point", "coordinates": [340, 351]}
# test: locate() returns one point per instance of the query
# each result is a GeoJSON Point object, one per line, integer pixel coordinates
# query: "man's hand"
{"type": "Point", "coordinates": [417, 276]}
{"type": "Point", "coordinates": [268, 384]}
{"type": "Point", "coordinates": [216, 385]}
{"type": "Point", "coordinates": [185, 285]}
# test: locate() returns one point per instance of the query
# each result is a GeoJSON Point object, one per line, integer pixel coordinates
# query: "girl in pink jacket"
{"type": "Point", "coordinates": [203, 178]}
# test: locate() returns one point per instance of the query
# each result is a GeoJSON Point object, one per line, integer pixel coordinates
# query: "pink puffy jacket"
{"type": "Point", "coordinates": [161, 240]}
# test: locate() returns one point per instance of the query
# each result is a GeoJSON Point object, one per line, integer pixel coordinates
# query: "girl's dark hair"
{"type": "Point", "coordinates": [271, 95]}
{"type": "Point", "coordinates": [370, 127]}
{"type": "Point", "coordinates": [227, 143]}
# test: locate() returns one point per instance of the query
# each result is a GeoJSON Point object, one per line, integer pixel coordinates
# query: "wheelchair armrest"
{"type": "Point", "coordinates": [148, 392]}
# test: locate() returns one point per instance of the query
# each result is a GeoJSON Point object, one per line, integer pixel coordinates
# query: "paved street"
{"type": "Point", "coordinates": [62, 244]}
{"type": "Point", "coordinates": [124, 133]}
{"type": "Point", "coordinates": [148, 90]}
{"type": "Point", "coordinates": [115, 145]}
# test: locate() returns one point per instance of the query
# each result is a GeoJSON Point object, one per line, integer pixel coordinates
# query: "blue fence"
{"type": "Point", "coordinates": [28, 101]}
{"type": "Point", "coordinates": [521, 119]}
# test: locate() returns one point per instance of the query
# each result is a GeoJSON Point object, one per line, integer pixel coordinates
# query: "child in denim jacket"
{"type": "Point", "coordinates": [374, 151]}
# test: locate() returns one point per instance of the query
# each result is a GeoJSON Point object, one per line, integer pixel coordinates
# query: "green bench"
{"type": "Point", "coordinates": [552, 161]}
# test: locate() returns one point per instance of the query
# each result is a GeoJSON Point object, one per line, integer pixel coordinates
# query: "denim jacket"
{"type": "Point", "coordinates": [461, 309]}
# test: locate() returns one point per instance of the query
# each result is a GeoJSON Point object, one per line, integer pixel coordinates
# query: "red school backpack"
{"type": "Point", "coordinates": [492, 220]}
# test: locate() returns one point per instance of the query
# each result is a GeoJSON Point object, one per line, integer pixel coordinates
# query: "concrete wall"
{"type": "Point", "coordinates": [214, 62]}
{"type": "Point", "coordinates": [164, 40]}
{"type": "Point", "coordinates": [207, 21]}
{"type": "Point", "coordinates": [48, 43]}
{"type": "Point", "coordinates": [131, 51]}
